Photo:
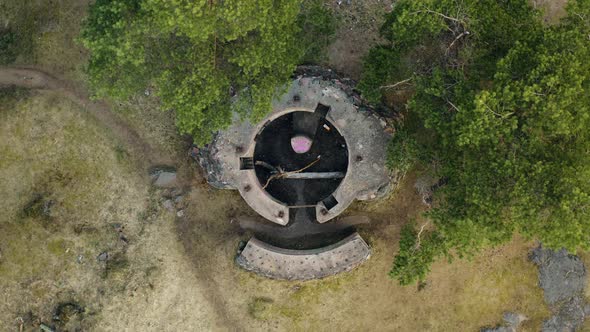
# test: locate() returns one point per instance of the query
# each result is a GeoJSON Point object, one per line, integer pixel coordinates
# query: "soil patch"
{"type": "Point", "coordinates": [358, 31]}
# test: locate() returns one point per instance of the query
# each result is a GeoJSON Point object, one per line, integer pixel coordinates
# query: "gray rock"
{"type": "Point", "coordinates": [47, 205]}
{"type": "Point", "coordinates": [424, 186]}
{"type": "Point", "coordinates": [561, 275]}
{"type": "Point", "coordinates": [166, 179]}
{"type": "Point", "coordinates": [563, 278]}
{"type": "Point", "coordinates": [180, 213]}
{"type": "Point", "coordinates": [555, 324]}
{"type": "Point", "coordinates": [176, 192]}
{"type": "Point", "coordinates": [513, 319]}
{"type": "Point", "coordinates": [570, 317]}
{"type": "Point", "coordinates": [213, 167]}
{"type": "Point", "coordinates": [46, 328]}
{"type": "Point", "coordinates": [103, 256]}
{"type": "Point", "coordinates": [168, 205]}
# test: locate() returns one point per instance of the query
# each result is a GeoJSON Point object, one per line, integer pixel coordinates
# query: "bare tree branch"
{"type": "Point", "coordinates": [282, 174]}
{"type": "Point", "coordinates": [453, 105]}
{"type": "Point", "coordinates": [501, 116]}
{"type": "Point", "coordinates": [465, 33]}
{"type": "Point", "coordinates": [441, 15]}
{"type": "Point", "coordinates": [395, 84]}
{"type": "Point", "coordinates": [418, 237]}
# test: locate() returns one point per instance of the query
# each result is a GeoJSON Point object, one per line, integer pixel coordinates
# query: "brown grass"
{"type": "Point", "coordinates": [154, 125]}
{"type": "Point", "coordinates": [51, 149]}
{"type": "Point", "coordinates": [47, 32]}
{"type": "Point", "coordinates": [553, 10]}
{"type": "Point", "coordinates": [460, 296]}
{"type": "Point", "coordinates": [357, 32]}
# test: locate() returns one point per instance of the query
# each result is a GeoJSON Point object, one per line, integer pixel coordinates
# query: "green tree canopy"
{"type": "Point", "coordinates": [507, 101]}
{"type": "Point", "coordinates": [198, 55]}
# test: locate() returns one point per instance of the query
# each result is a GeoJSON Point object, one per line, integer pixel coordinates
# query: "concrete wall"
{"type": "Point", "coordinates": [278, 263]}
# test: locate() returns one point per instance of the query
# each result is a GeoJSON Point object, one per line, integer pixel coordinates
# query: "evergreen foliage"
{"type": "Point", "coordinates": [507, 100]}
{"type": "Point", "coordinates": [403, 151]}
{"type": "Point", "coordinates": [198, 55]}
{"type": "Point", "coordinates": [318, 28]}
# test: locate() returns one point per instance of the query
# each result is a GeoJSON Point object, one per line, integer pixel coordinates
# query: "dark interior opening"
{"type": "Point", "coordinates": [322, 110]}
{"type": "Point", "coordinates": [302, 232]}
{"type": "Point", "coordinates": [246, 163]}
{"type": "Point", "coordinates": [328, 153]}
{"type": "Point", "coordinates": [330, 202]}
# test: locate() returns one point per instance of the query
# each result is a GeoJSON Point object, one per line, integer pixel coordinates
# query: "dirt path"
{"type": "Point", "coordinates": [35, 79]}
{"type": "Point", "coordinates": [146, 156]}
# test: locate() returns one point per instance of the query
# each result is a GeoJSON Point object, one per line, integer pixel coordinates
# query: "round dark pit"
{"type": "Point", "coordinates": [273, 148]}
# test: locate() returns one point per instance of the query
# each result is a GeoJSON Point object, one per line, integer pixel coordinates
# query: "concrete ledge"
{"type": "Point", "coordinates": [259, 200]}
{"type": "Point", "coordinates": [277, 263]}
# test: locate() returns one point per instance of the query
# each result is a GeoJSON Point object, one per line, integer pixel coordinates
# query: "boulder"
{"type": "Point", "coordinates": [103, 256]}
{"type": "Point", "coordinates": [512, 321]}
{"type": "Point", "coordinates": [569, 317]}
{"type": "Point", "coordinates": [166, 179]}
{"type": "Point", "coordinates": [561, 275]}
{"type": "Point", "coordinates": [168, 205]}
{"type": "Point", "coordinates": [563, 278]}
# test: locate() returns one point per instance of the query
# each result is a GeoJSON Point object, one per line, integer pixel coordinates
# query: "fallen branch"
{"type": "Point", "coordinates": [501, 116]}
{"type": "Point", "coordinates": [396, 84]}
{"type": "Point", "coordinates": [465, 33]}
{"type": "Point", "coordinates": [282, 174]}
{"type": "Point", "coordinates": [419, 234]}
{"type": "Point", "coordinates": [418, 237]}
{"type": "Point", "coordinates": [453, 105]}
{"type": "Point", "coordinates": [267, 166]}
{"type": "Point", "coordinates": [441, 15]}
{"type": "Point", "coordinates": [315, 175]}
{"type": "Point", "coordinates": [21, 324]}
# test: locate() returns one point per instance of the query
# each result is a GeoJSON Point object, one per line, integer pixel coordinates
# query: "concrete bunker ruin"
{"type": "Point", "coordinates": [300, 176]}
{"type": "Point", "coordinates": [299, 168]}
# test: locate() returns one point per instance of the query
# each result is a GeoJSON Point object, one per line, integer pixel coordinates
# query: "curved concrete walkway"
{"type": "Point", "coordinates": [278, 263]}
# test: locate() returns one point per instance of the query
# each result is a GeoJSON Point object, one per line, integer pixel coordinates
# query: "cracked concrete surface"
{"type": "Point", "coordinates": [365, 134]}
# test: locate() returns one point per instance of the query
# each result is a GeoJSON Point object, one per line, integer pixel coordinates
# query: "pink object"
{"type": "Point", "coordinates": [300, 144]}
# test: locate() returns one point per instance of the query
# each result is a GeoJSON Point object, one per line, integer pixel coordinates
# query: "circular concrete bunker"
{"type": "Point", "coordinates": [317, 151]}
{"type": "Point", "coordinates": [295, 176]}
